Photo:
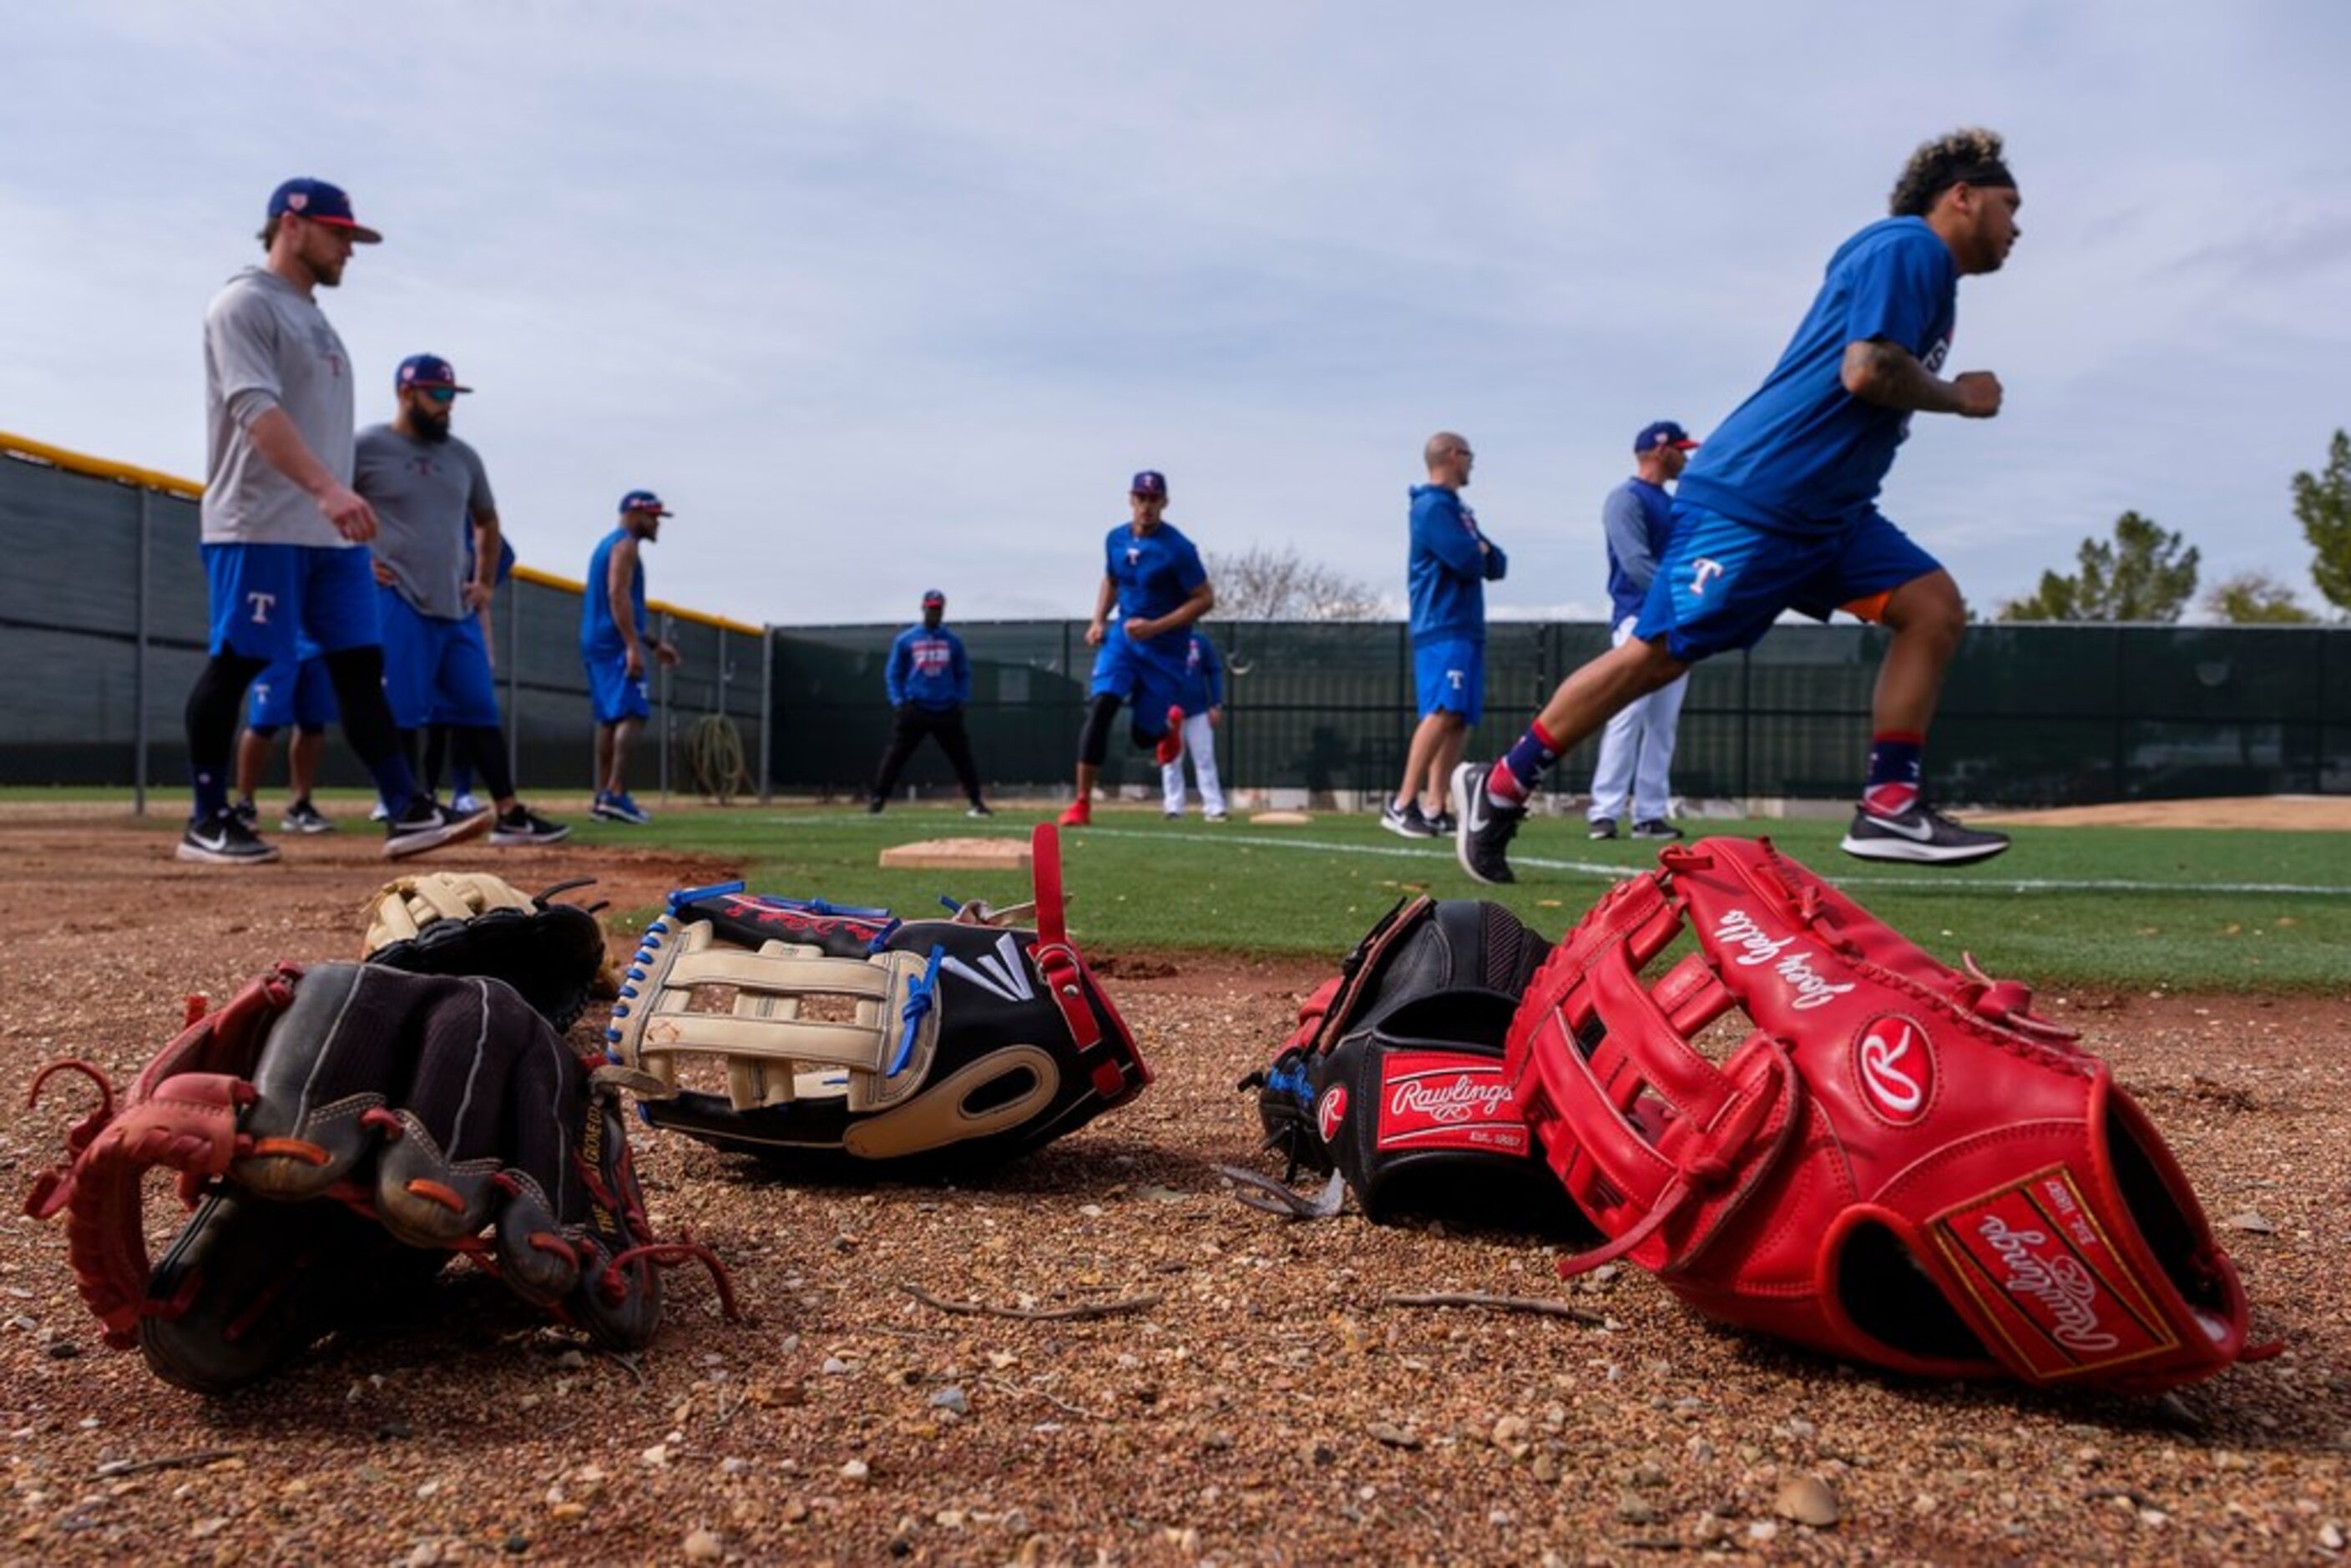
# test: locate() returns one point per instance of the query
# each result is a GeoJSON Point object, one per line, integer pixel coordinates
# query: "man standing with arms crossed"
{"type": "Point", "coordinates": [614, 644]}
{"type": "Point", "coordinates": [928, 678]}
{"type": "Point", "coordinates": [1636, 749]}
{"type": "Point", "coordinates": [1450, 566]}
{"type": "Point", "coordinates": [431, 494]}
{"type": "Point", "coordinates": [1780, 513]}
{"type": "Point", "coordinates": [283, 528]}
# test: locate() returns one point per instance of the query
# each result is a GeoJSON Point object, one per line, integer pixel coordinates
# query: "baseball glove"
{"type": "Point", "coordinates": [1392, 1080]}
{"type": "Point", "coordinates": [1900, 1164]}
{"type": "Point", "coordinates": [471, 922]}
{"type": "Point", "coordinates": [856, 1040]}
{"type": "Point", "coordinates": [340, 1131]}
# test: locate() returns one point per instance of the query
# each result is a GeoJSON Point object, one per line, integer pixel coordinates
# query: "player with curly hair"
{"type": "Point", "coordinates": [1779, 512]}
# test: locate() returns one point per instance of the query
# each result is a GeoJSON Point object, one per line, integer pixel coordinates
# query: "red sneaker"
{"type": "Point", "coordinates": [1171, 744]}
{"type": "Point", "coordinates": [1078, 814]}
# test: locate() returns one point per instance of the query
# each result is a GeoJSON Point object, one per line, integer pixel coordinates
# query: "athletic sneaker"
{"type": "Point", "coordinates": [523, 826]}
{"type": "Point", "coordinates": [1174, 816]}
{"type": "Point", "coordinates": [1656, 828]}
{"type": "Point", "coordinates": [1405, 820]}
{"type": "Point", "coordinates": [464, 803]}
{"type": "Point", "coordinates": [302, 817]}
{"type": "Point", "coordinates": [619, 808]}
{"type": "Point", "coordinates": [1077, 815]}
{"type": "Point", "coordinates": [1919, 834]}
{"type": "Point", "coordinates": [1171, 744]}
{"type": "Point", "coordinates": [1602, 828]}
{"type": "Point", "coordinates": [1445, 824]}
{"type": "Point", "coordinates": [223, 839]}
{"type": "Point", "coordinates": [425, 826]}
{"type": "Point", "coordinates": [1214, 817]}
{"type": "Point", "coordinates": [872, 806]}
{"type": "Point", "coordinates": [248, 813]}
{"type": "Point", "coordinates": [1482, 843]}
{"type": "Point", "coordinates": [379, 812]}
{"type": "Point", "coordinates": [978, 809]}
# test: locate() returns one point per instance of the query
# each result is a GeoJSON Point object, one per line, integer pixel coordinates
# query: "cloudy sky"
{"type": "Point", "coordinates": [894, 296]}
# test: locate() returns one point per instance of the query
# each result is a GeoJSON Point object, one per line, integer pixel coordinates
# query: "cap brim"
{"type": "Point", "coordinates": [360, 234]}
{"type": "Point", "coordinates": [1685, 446]}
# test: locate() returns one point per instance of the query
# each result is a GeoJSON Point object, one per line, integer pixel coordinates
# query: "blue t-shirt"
{"type": "Point", "coordinates": [1204, 675]}
{"type": "Point", "coordinates": [928, 669]}
{"type": "Point", "coordinates": [1447, 573]}
{"type": "Point", "coordinates": [1639, 519]}
{"type": "Point", "coordinates": [1802, 453]}
{"type": "Point", "coordinates": [1154, 574]}
{"type": "Point", "coordinates": [597, 631]}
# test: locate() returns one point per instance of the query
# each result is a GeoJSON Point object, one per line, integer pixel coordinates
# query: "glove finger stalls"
{"type": "Point", "coordinates": [436, 1186]}
{"type": "Point", "coordinates": [321, 1072]}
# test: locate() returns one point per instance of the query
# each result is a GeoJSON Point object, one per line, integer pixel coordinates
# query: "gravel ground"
{"type": "Point", "coordinates": [1259, 1405]}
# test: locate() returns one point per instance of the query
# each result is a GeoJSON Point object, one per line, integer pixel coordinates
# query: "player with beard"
{"type": "Point", "coordinates": [614, 638]}
{"type": "Point", "coordinates": [431, 495]}
{"type": "Point", "coordinates": [1779, 512]}
{"type": "Point", "coordinates": [283, 528]}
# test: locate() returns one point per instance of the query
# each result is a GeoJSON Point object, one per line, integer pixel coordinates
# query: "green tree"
{"type": "Point", "coordinates": [2143, 573]}
{"type": "Point", "coordinates": [2323, 502]}
{"type": "Point", "coordinates": [2255, 599]}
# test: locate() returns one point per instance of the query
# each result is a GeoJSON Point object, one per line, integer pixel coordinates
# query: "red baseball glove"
{"type": "Point", "coordinates": [1900, 1164]}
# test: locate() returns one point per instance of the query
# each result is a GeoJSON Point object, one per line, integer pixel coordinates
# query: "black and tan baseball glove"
{"type": "Point", "coordinates": [471, 922]}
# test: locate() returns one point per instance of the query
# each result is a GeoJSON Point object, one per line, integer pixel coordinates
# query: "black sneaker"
{"type": "Point", "coordinates": [248, 813]}
{"type": "Point", "coordinates": [1445, 824]}
{"type": "Point", "coordinates": [1920, 834]}
{"type": "Point", "coordinates": [873, 804]}
{"type": "Point", "coordinates": [1654, 828]}
{"type": "Point", "coordinates": [1405, 821]}
{"type": "Point", "coordinates": [1602, 828]}
{"type": "Point", "coordinates": [978, 809]}
{"type": "Point", "coordinates": [524, 826]}
{"type": "Point", "coordinates": [1482, 843]}
{"type": "Point", "coordinates": [423, 825]}
{"type": "Point", "coordinates": [223, 839]}
{"type": "Point", "coordinates": [302, 817]}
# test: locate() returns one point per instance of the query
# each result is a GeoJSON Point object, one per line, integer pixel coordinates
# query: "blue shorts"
{"type": "Point", "coordinates": [1148, 684]}
{"type": "Point", "coordinates": [300, 693]}
{"type": "Point", "coordinates": [1450, 672]}
{"type": "Point", "coordinates": [616, 696]}
{"type": "Point", "coordinates": [433, 673]}
{"type": "Point", "coordinates": [469, 631]}
{"type": "Point", "coordinates": [1722, 583]}
{"type": "Point", "coordinates": [266, 597]}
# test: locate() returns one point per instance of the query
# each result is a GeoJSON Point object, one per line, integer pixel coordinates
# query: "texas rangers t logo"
{"type": "Point", "coordinates": [1703, 570]}
{"type": "Point", "coordinates": [261, 603]}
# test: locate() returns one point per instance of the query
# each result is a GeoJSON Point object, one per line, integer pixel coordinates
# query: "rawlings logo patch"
{"type": "Point", "coordinates": [1331, 1112]}
{"type": "Point", "coordinates": [2038, 1267]}
{"type": "Point", "coordinates": [1432, 1099]}
{"type": "Point", "coordinates": [1893, 1061]}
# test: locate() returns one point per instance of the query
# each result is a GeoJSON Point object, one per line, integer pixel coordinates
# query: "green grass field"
{"type": "Point", "coordinates": [2135, 908]}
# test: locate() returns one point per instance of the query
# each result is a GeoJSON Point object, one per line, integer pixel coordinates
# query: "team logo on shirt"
{"type": "Point", "coordinates": [1703, 570]}
{"type": "Point", "coordinates": [1936, 354]}
{"type": "Point", "coordinates": [1134, 556]}
{"type": "Point", "coordinates": [930, 657]}
{"type": "Point", "coordinates": [262, 605]}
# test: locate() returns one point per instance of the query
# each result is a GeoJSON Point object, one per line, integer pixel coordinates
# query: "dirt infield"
{"type": "Point", "coordinates": [2287, 813]}
{"type": "Point", "coordinates": [1264, 1406]}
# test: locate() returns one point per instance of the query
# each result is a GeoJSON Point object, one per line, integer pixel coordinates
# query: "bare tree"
{"type": "Point", "coordinates": [1261, 583]}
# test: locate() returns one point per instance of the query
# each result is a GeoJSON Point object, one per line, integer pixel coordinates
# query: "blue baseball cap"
{"type": "Point", "coordinates": [1150, 482]}
{"type": "Point", "coordinates": [321, 204]}
{"type": "Point", "coordinates": [427, 370]}
{"type": "Point", "coordinates": [933, 596]}
{"type": "Point", "coordinates": [1664, 433]}
{"type": "Point", "coordinates": [645, 501]}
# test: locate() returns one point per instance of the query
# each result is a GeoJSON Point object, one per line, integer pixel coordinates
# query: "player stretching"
{"type": "Point", "coordinates": [1154, 576]}
{"type": "Point", "coordinates": [283, 528]}
{"type": "Point", "coordinates": [1777, 512]}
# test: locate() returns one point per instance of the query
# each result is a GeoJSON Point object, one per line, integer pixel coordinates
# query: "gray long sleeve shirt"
{"type": "Point", "coordinates": [267, 345]}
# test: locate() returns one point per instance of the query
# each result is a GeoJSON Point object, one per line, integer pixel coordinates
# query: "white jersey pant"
{"type": "Point", "coordinates": [1200, 745]}
{"type": "Point", "coordinates": [1636, 750]}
